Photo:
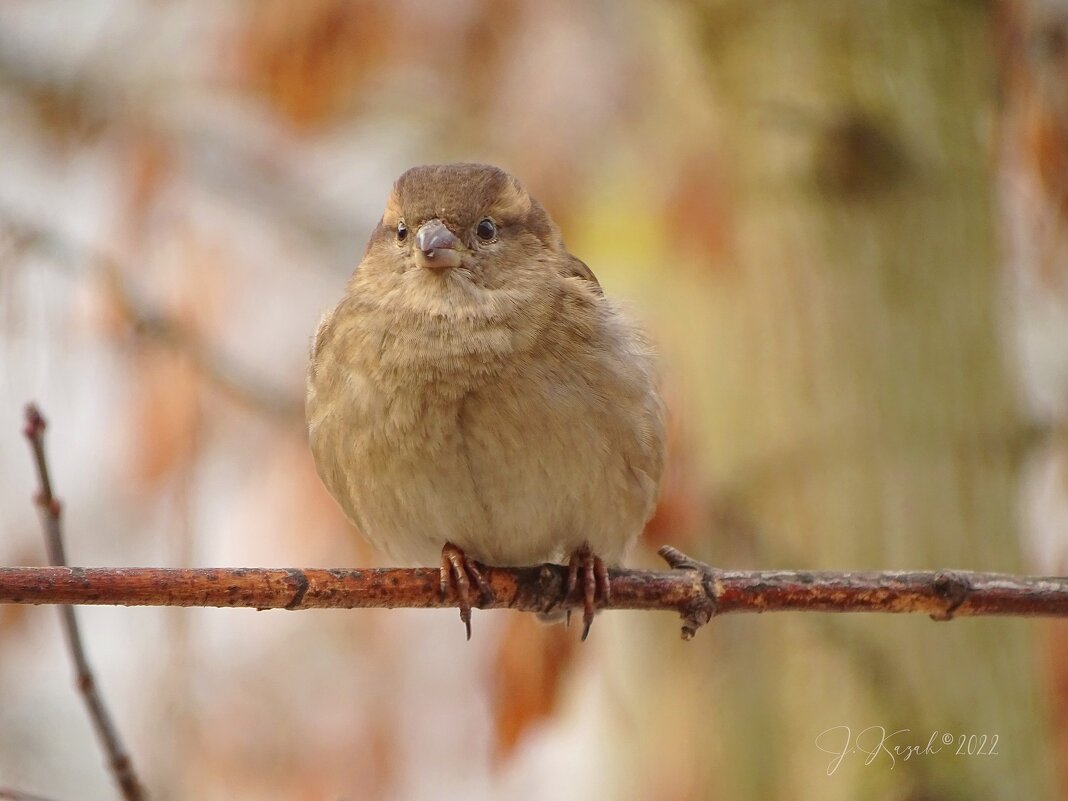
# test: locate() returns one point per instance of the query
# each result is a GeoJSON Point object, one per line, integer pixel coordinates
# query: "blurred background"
{"type": "Point", "coordinates": [845, 223]}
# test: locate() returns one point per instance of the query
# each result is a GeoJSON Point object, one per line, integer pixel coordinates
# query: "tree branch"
{"type": "Point", "coordinates": [696, 591]}
{"type": "Point", "coordinates": [51, 521]}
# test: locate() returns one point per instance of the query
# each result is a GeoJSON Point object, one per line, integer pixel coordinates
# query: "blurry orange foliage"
{"type": "Point", "coordinates": [310, 59]}
{"type": "Point", "coordinates": [532, 662]}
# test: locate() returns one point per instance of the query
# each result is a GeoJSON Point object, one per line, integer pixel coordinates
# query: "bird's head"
{"type": "Point", "coordinates": [462, 222]}
{"type": "Point", "coordinates": [464, 261]}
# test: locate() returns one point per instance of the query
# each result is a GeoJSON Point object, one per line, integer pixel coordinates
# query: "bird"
{"type": "Point", "coordinates": [476, 399]}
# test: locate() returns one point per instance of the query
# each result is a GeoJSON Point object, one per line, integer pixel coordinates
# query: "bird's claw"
{"type": "Point", "coordinates": [595, 582]}
{"type": "Point", "coordinates": [457, 574]}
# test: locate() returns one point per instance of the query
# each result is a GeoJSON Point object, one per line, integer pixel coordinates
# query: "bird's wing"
{"type": "Point", "coordinates": [578, 269]}
{"type": "Point", "coordinates": [322, 333]}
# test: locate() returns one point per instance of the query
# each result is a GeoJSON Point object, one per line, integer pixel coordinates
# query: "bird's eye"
{"type": "Point", "coordinates": [486, 230]}
{"type": "Point", "coordinates": [402, 231]}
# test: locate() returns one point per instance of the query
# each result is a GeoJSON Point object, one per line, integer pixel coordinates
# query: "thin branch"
{"type": "Point", "coordinates": [50, 513]}
{"type": "Point", "coordinates": [694, 590]}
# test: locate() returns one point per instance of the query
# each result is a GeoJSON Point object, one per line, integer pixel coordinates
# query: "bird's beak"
{"type": "Point", "coordinates": [436, 247]}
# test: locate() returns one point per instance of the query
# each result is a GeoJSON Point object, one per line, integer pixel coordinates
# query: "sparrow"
{"type": "Point", "coordinates": [475, 398]}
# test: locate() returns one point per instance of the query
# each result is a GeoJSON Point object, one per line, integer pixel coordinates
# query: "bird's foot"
{"type": "Point", "coordinates": [585, 564]}
{"type": "Point", "coordinates": [457, 574]}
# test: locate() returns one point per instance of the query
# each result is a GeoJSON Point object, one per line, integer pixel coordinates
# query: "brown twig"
{"type": "Point", "coordinates": [50, 512]}
{"type": "Point", "coordinates": [693, 589]}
